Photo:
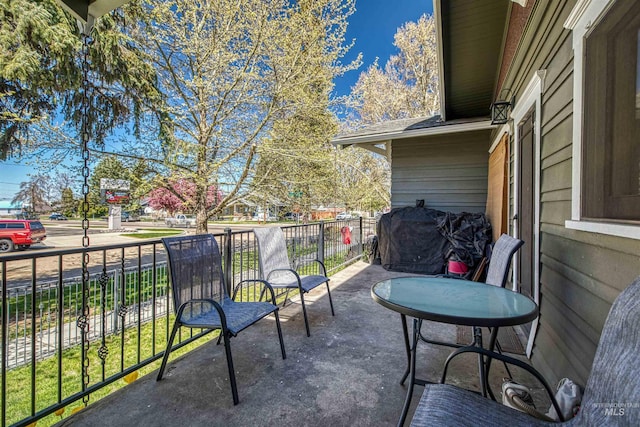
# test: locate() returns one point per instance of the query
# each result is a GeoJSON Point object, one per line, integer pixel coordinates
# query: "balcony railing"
{"type": "Point", "coordinates": [116, 322]}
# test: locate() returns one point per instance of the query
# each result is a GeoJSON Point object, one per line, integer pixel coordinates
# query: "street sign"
{"type": "Point", "coordinates": [114, 184]}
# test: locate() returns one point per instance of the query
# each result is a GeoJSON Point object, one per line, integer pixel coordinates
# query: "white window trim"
{"type": "Point", "coordinates": [583, 17]}
{"type": "Point", "coordinates": [531, 97]}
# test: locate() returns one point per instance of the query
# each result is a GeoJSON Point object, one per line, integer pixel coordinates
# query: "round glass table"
{"type": "Point", "coordinates": [454, 301]}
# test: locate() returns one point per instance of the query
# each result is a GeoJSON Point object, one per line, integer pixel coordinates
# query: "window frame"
{"type": "Point", "coordinates": [584, 17]}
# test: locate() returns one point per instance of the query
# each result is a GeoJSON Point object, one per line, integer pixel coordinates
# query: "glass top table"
{"type": "Point", "coordinates": [454, 301]}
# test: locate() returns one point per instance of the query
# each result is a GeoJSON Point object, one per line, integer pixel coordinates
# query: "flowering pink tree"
{"type": "Point", "coordinates": [180, 196]}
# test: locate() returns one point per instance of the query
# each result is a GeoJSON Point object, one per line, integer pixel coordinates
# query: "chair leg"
{"type": "Point", "coordinates": [506, 367]}
{"type": "Point", "coordinates": [284, 354]}
{"type": "Point", "coordinates": [304, 312]}
{"type": "Point", "coordinates": [330, 301]}
{"type": "Point", "coordinates": [167, 351]}
{"type": "Point", "coordinates": [232, 372]}
{"type": "Point", "coordinates": [286, 296]}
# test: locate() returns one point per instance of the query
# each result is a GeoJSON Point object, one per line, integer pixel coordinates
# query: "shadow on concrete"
{"type": "Point", "coordinates": [346, 374]}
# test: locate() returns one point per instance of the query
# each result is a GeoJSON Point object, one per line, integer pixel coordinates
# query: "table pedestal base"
{"type": "Point", "coordinates": [411, 349]}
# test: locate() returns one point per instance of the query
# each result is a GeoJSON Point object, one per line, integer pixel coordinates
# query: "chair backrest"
{"type": "Point", "coordinates": [195, 268]}
{"type": "Point", "coordinates": [614, 378]}
{"type": "Point", "coordinates": [500, 261]}
{"type": "Point", "coordinates": [272, 248]}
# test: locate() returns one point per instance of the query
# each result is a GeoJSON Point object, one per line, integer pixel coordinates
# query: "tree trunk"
{"type": "Point", "coordinates": [201, 210]}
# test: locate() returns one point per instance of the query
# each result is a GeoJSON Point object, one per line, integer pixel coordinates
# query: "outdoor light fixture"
{"type": "Point", "coordinates": [500, 110]}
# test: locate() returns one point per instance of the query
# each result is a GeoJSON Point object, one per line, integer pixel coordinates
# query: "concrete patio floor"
{"type": "Point", "coordinates": [346, 373]}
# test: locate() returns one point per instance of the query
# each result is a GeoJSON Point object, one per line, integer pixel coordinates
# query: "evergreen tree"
{"type": "Point", "coordinates": [68, 203]}
{"type": "Point", "coordinates": [41, 77]}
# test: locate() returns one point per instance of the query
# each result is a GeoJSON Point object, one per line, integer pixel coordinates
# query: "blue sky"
{"type": "Point", "coordinates": [372, 26]}
{"type": "Point", "coordinates": [11, 175]}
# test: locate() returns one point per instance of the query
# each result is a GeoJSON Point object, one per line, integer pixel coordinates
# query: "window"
{"type": "Point", "coordinates": [611, 162]}
{"type": "Point", "coordinates": [606, 117]}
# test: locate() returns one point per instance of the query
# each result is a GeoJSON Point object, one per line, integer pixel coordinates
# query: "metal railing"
{"type": "Point", "coordinates": [130, 313]}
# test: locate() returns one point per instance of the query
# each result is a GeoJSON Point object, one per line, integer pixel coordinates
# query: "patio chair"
{"type": "Point", "coordinates": [497, 274]}
{"type": "Point", "coordinates": [498, 271]}
{"type": "Point", "coordinates": [276, 268]}
{"type": "Point", "coordinates": [501, 255]}
{"type": "Point", "coordinates": [613, 380]}
{"type": "Point", "coordinates": [200, 296]}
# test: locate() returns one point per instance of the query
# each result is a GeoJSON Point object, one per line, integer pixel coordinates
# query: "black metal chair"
{"type": "Point", "coordinates": [276, 267]}
{"type": "Point", "coordinates": [201, 299]}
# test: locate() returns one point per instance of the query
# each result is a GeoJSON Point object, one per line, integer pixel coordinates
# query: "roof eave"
{"type": "Point", "coordinates": [402, 134]}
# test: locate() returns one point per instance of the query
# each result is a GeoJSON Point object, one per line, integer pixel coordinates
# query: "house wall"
{"type": "Point", "coordinates": [448, 171]}
{"type": "Point", "coordinates": [581, 273]}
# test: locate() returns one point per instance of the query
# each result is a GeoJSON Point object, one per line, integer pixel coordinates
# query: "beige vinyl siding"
{"type": "Point", "coordinates": [580, 273]}
{"type": "Point", "coordinates": [448, 171]}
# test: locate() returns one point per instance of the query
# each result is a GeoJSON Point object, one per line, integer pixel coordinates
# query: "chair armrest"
{"type": "Point", "coordinates": [323, 269]}
{"type": "Point", "coordinates": [265, 286]}
{"type": "Point", "coordinates": [307, 262]}
{"type": "Point", "coordinates": [506, 359]}
{"type": "Point", "coordinates": [218, 307]}
{"type": "Point", "coordinates": [288, 270]}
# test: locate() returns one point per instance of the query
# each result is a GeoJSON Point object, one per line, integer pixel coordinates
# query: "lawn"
{"type": "Point", "coordinates": [19, 385]}
{"type": "Point", "coordinates": [153, 233]}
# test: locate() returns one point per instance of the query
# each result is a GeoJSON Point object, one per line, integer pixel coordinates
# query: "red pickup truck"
{"type": "Point", "coordinates": [20, 234]}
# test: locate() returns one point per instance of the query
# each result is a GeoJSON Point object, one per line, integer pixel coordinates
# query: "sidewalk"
{"type": "Point", "coordinates": [102, 237]}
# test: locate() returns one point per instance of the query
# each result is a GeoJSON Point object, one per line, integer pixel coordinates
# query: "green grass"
{"type": "Point", "coordinates": [154, 234]}
{"type": "Point", "coordinates": [19, 380]}
{"type": "Point", "coordinates": [72, 299]}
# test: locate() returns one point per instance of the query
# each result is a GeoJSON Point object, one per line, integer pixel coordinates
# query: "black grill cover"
{"type": "Point", "coordinates": [409, 240]}
{"type": "Point", "coordinates": [468, 235]}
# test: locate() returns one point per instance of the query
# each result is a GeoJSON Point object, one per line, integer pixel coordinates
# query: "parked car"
{"type": "Point", "coordinates": [20, 234]}
{"type": "Point", "coordinates": [128, 216]}
{"type": "Point", "coordinates": [57, 217]}
{"type": "Point", "coordinates": [181, 220]}
{"type": "Point", "coordinates": [292, 216]}
{"type": "Point", "coordinates": [344, 215]}
{"type": "Point", "coordinates": [264, 216]}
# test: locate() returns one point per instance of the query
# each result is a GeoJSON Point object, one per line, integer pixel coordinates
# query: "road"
{"type": "Point", "coordinates": [68, 234]}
